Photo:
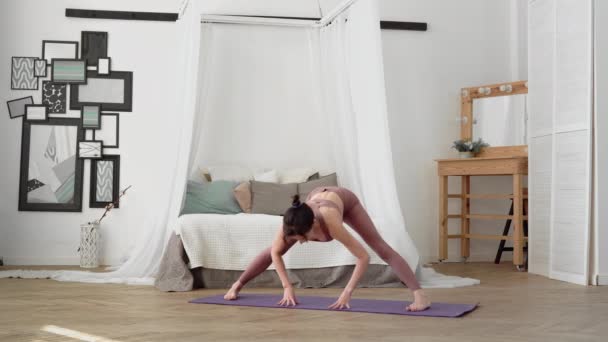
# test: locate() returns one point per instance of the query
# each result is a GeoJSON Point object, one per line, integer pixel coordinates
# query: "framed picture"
{"type": "Point", "coordinates": [114, 92]}
{"type": "Point", "coordinates": [90, 117]}
{"type": "Point", "coordinates": [103, 66]}
{"type": "Point", "coordinates": [54, 96]}
{"type": "Point", "coordinates": [51, 175]}
{"type": "Point", "coordinates": [16, 107]}
{"type": "Point", "coordinates": [40, 67]}
{"type": "Point", "coordinates": [93, 46]}
{"type": "Point", "coordinates": [105, 181]}
{"type": "Point", "coordinates": [22, 73]}
{"type": "Point", "coordinates": [89, 149]}
{"type": "Point", "coordinates": [59, 49]}
{"type": "Point", "coordinates": [36, 112]}
{"type": "Point", "coordinates": [109, 132]}
{"type": "Point", "coordinates": [69, 71]}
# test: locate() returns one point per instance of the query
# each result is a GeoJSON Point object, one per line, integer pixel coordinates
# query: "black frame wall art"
{"type": "Point", "coordinates": [40, 67]}
{"type": "Point", "coordinates": [114, 92]}
{"type": "Point", "coordinates": [104, 65]}
{"type": "Point", "coordinates": [59, 49]}
{"type": "Point", "coordinates": [104, 181]}
{"type": "Point", "coordinates": [16, 107]}
{"type": "Point", "coordinates": [93, 45]}
{"type": "Point", "coordinates": [40, 141]}
{"type": "Point", "coordinates": [36, 112]}
{"type": "Point", "coordinates": [22, 73]}
{"type": "Point", "coordinates": [72, 71]}
{"type": "Point", "coordinates": [90, 149]}
{"type": "Point", "coordinates": [109, 133]}
{"type": "Point", "coordinates": [90, 115]}
{"type": "Point", "coordinates": [54, 96]}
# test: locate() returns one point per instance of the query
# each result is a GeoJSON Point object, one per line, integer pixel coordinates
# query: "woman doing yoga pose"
{"type": "Point", "coordinates": [320, 218]}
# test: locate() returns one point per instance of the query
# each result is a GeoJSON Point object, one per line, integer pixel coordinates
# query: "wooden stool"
{"type": "Point", "coordinates": [501, 246]}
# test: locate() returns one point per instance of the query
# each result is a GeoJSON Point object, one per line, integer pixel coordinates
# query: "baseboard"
{"type": "Point", "coordinates": [602, 279]}
{"type": "Point", "coordinates": [570, 278]}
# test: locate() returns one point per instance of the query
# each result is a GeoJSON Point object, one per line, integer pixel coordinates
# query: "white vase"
{"type": "Point", "coordinates": [89, 245]}
{"type": "Point", "coordinates": [466, 154]}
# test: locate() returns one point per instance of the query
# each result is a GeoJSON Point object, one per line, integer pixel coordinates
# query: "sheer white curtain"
{"type": "Point", "coordinates": [353, 96]}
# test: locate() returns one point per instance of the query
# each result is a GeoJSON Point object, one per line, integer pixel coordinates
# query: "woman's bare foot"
{"type": "Point", "coordinates": [233, 293]}
{"type": "Point", "coordinates": [421, 302]}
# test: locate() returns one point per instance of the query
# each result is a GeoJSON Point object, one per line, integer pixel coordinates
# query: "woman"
{"type": "Point", "coordinates": [321, 219]}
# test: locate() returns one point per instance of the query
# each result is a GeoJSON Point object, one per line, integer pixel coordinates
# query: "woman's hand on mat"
{"type": "Point", "coordinates": [342, 302]}
{"type": "Point", "coordinates": [289, 297]}
{"type": "Point", "coordinates": [421, 302]}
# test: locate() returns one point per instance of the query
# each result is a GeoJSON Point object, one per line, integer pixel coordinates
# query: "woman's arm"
{"type": "Point", "coordinates": [279, 247]}
{"type": "Point", "coordinates": [338, 232]}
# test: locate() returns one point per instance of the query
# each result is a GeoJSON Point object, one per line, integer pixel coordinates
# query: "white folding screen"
{"type": "Point", "coordinates": [560, 88]}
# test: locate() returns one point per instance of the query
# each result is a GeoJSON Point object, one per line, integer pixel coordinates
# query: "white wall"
{"type": "Point", "coordinates": [468, 43]}
{"type": "Point", "coordinates": [601, 147]}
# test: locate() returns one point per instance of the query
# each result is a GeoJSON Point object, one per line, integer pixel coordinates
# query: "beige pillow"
{"type": "Point", "coordinates": [305, 188]}
{"type": "Point", "coordinates": [242, 194]}
{"type": "Point", "coordinates": [271, 198]}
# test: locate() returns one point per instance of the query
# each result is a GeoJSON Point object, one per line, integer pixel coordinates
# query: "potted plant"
{"type": "Point", "coordinates": [468, 148]}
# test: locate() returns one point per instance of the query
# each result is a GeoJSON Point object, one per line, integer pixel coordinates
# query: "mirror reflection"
{"type": "Point", "coordinates": [501, 120]}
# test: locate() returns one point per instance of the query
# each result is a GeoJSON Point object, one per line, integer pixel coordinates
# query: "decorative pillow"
{"type": "Point", "coordinates": [297, 175]}
{"type": "Point", "coordinates": [270, 176]}
{"type": "Point", "coordinates": [271, 198]}
{"type": "Point", "coordinates": [233, 173]}
{"type": "Point", "coordinates": [242, 194]}
{"type": "Point", "coordinates": [305, 188]}
{"type": "Point", "coordinates": [210, 198]}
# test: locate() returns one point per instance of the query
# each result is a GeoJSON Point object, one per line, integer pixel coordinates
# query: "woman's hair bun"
{"type": "Point", "coordinates": [296, 201]}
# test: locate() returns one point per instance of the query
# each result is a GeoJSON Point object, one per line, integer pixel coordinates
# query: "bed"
{"type": "Point", "coordinates": [212, 250]}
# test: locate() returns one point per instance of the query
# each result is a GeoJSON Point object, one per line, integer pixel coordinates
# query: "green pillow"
{"type": "Point", "coordinates": [211, 198]}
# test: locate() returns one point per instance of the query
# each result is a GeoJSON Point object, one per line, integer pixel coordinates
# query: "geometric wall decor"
{"type": "Point", "coordinates": [22, 73]}
{"type": "Point", "coordinates": [113, 91]}
{"type": "Point", "coordinates": [109, 131]}
{"type": "Point", "coordinates": [93, 46]}
{"type": "Point", "coordinates": [16, 107]}
{"type": "Point", "coordinates": [90, 117]}
{"type": "Point", "coordinates": [51, 175]}
{"type": "Point", "coordinates": [103, 66]}
{"type": "Point", "coordinates": [68, 70]}
{"type": "Point", "coordinates": [105, 181]}
{"type": "Point", "coordinates": [59, 49]}
{"type": "Point", "coordinates": [54, 96]}
{"type": "Point", "coordinates": [40, 68]}
{"type": "Point", "coordinates": [89, 149]}
{"type": "Point", "coordinates": [36, 112]}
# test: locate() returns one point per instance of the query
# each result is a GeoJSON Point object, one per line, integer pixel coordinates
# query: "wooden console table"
{"type": "Point", "coordinates": [516, 166]}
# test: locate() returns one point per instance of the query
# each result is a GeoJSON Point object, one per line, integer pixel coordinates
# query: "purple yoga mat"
{"type": "Point", "coordinates": [356, 305]}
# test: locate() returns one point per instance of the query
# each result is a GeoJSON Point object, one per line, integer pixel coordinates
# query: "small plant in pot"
{"type": "Point", "coordinates": [468, 148]}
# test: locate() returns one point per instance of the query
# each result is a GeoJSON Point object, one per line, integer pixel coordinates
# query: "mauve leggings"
{"type": "Point", "coordinates": [355, 216]}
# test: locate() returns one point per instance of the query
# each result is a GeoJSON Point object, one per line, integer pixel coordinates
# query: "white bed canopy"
{"type": "Point", "coordinates": [329, 112]}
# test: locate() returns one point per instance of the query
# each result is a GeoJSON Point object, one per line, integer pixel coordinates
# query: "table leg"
{"type": "Point", "coordinates": [465, 243]}
{"type": "Point", "coordinates": [518, 241]}
{"type": "Point", "coordinates": [443, 217]}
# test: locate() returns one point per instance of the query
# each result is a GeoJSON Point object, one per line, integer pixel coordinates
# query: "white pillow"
{"type": "Point", "coordinates": [271, 176]}
{"type": "Point", "coordinates": [296, 175]}
{"type": "Point", "coordinates": [235, 173]}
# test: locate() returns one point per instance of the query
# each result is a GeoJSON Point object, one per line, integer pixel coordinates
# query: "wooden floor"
{"type": "Point", "coordinates": [514, 307]}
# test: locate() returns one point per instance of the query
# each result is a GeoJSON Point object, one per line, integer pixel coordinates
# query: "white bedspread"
{"type": "Point", "coordinates": [230, 242]}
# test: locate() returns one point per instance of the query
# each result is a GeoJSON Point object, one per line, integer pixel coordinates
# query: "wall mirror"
{"type": "Point", "coordinates": [497, 114]}
{"type": "Point", "coordinates": [51, 174]}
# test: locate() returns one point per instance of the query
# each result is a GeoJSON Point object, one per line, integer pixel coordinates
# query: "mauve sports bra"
{"type": "Point", "coordinates": [316, 204]}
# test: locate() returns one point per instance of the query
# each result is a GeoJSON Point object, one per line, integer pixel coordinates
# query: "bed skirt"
{"type": "Point", "coordinates": [175, 275]}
